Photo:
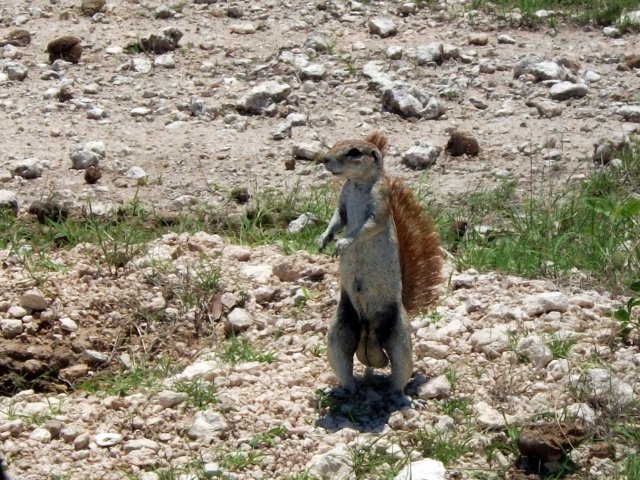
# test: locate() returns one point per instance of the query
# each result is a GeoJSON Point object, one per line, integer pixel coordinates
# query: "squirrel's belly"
{"type": "Point", "coordinates": [371, 276]}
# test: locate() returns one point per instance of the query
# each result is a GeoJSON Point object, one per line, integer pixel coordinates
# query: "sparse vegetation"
{"type": "Point", "coordinates": [446, 446]}
{"type": "Point", "coordinates": [200, 393]}
{"type": "Point", "coordinates": [238, 349]}
{"type": "Point", "coordinates": [372, 461]}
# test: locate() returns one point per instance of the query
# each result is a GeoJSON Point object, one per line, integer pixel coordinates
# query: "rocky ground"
{"type": "Point", "coordinates": [226, 98]}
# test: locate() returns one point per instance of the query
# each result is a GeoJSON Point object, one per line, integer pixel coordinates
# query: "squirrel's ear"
{"type": "Point", "coordinates": [377, 156]}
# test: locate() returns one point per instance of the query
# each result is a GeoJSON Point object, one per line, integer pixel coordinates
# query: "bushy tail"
{"type": "Point", "coordinates": [419, 245]}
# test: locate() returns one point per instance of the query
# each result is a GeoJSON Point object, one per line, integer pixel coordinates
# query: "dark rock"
{"type": "Point", "coordinates": [633, 61]}
{"type": "Point", "coordinates": [462, 143]}
{"type": "Point", "coordinates": [290, 163]}
{"type": "Point", "coordinates": [240, 195]}
{"type": "Point", "coordinates": [166, 40]}
{"type": "Point", "coordinates": [92, 174]}
{"type": "Point", "coordinates": [64, 95]}
{"type": "Point", "coordinates": [90, 7]}
{"type": "Point", "coordinates": [48, 210]}
{"type": "Point", "coordinates": [549, 442]}
{"type": "Point", "coordinates": [17, 38]}
{"type": "Point", "coordinates": [65, 48]}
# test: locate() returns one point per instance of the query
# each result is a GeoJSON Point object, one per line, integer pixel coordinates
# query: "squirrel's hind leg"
{"type": "Point", "coordinates": [342, 341]}
{"type": "Point", "coordinates": [397, 344]}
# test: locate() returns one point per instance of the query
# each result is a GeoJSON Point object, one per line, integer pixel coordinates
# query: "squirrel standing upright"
{"type": "Point", "coordinates": [390, 263]}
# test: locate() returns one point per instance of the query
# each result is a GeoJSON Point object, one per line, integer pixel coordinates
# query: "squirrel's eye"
{"type": "Point", "coordinates": [354, 152]}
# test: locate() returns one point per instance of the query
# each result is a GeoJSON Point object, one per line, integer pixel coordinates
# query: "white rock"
{"type": "Point", "coordinates": [384, 27]}
{"type": "Point", "coordinates": [206, 370]}
{"type": "Point", "coordinates": [17, 311]}
{"type": "Point", "coordinates": [164, 61]}
{"type": "Point", "coordinates": [394, 52]}
{"type": "Point", "coordinates": [261, 97]}
{"type": "Point", "coordinates": [16, 71]}
{"type": "Point", "coordinates": [140, 65]}
{"type": "Point", "coordinates": [140, 111]}
{"type": "Point", "coordinates": [69, 433]}
{"type": "Point", "coordinates": [557, 369]}
{"type": "Point", "coordinates": [41, 435]}
{"type": "Point", "coordinates": [438, 387]}
{"type": "Point", "coordinates": [582, 412]}
{"type": "Point", "coordinates": [143, 457]}
{"type": "Point", "coordinates": [238, 321]}
{"type": "Point", "coordinates": [139, 443]}
{"type": "Point", "coordinates": [487, 416]}
{"type": "Point", "coordinates": [34, 300]}
{"type": "Point", "coordinates": [9, 200]}
{"type": "Point", "coordinates": [421, 156]}
{"type": "Point", "coordinates": [630, 113]}
{"type": "Point", "coordinates": [490, 341]}
{"type": "Point", "coordinates": [169, 399]}
{"type": "Point", "coordinates": [108, 439]}
{"type": "Point", "coordinates": [591, 76]}
{"type": "Point", "coordinates": [567, 90]}
{"type": "Point", "coordinates": [333, 465]}
{"type": "Point", "coordinates": [426, 469]}
{"type": "Point", "coordinates": [545, 302]}
{"type": "Point", "coordinates": [534, 348]}
{"type": "Point", "coordinates": [258, 273]}
{"type": "Point", "coordinates": [600, 385]}
{"type": "Point", "coordinates": [10, 327]}
{"type": "Point", "coordinates": [135, 173]}
{"type": "Point", "coordinates": [315, 72]}
{"type": "Point", "coordinates": [68, 325]}
{"type": "Point", "coordinates": [506, 39]}
{"type": "Point", "coordinates": [207, 426]}
{"type": "Point", "coordinates": [297, 225]}
{"type": "Point", "coordinates": [429, 53]}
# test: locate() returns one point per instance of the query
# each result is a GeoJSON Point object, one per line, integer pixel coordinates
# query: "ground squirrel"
{"type": "Point", "coordinates": [390, 262]}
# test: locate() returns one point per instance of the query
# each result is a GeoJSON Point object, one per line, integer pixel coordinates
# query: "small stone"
{"type": "Point", "coordinates": [162, 12]}
{"type": "Point", "coordinates": [557, 369]}
{"type": "Point", "coordinates": [138, 64]}
{"type": "Point", "coordinates": [431, 53]}
{"type": "Point", "coordinates": [164, 61]}
{"type": "Point", "coordinates": [29, 169]}
{"type": "Point", "coordinates": [582, 412]}
{"type": "Point", "coordinates": [169, 399]}
{"type": "Point", "coordinates": [260, 98]}
{"type": "Point", "coordinates": [17, 38]}
{"type": "Point", "coordinates": [633, 60]}
{"type": "Point", "coordinates": [281, 130]}
{"type": "Point", "coordinates": [488, 417]}
{"type": "Point", "coordinates": [630, 113]}
{"type": "Point", "coordinates": [296, 226]}
{"type": "Point", "coordinates": [68, 325]}
{"type": "Point", "coordinates": [41, 435]}
{"type": "Point", "coordinates": [567, 90]}
{"type": "Point", "coordinates": [15, 71]}
{"type": "Point", "coordinates": [506, 39]}
{"type": "Point", "coordinates": [108, 439]}
{"type": "Point", "coordinates": [237, 321]}
{"type": "Point", "coordinates": [545, 108]}
{"type": "Point", "coordinates": [317, 41]}
{"type": "Point", "coordinates": [307, 150]}
{"type": "Point", "coordinates": [246, 28]}
{"type": "Point", "coordinates": [207, 426]}
{"type": "Point", "coordinates": [545, 302]}
{"type": "Point", "coordinates": [90, 7]}
{"type": "Point", "coordinates": [426, 469]}
{"type": "Point", "coordinates": [92, 174]}
{"type": "Point", "coordinates": [384, 27]}
{"type": "Point", "coordinates": [612, 32]}
{"type": "Point", "coordinates": [438, 387]}
{"type": "Point", "coordinates": [75, 371]}
{"type": "Point", "coordinates": [479, 39]}
{"type": "Point", "coordinates": [535, 350]}
{"type": "Point", "coordinates": [140, 443]}
{"type": "Point", "coordinates": [591, 76]}
{"type": "Point", "coordinates": [9, 201]}
{"type": "Point", "coordinates": [166, 40]}
{"type": "Point", "coordinates": [90, 154]}
{"type": "Point", "coordinates": [16, 312]}
{"type": "Point", "coordinates": [81, 442]}
{"type": "Point", "coordinates": [140, 111]}
{"type": "Point", "coordinates": [314, 71]}
{"type": "Point", "coordinates": [490, 341]}
{"type": "Point", "coordinates": [10, 328]}
{"type": "Point", "coordinates": [34, 300]}
{"type": "Point", "coordinates": [68, 49]}
{"type": "Point", "coordinates": [462, 143]}
{"type": "Point", "coordinates": [421, 156]}
{"type": "Point", "coordinates": [69, 433]}
{"type": "Point", "coordinates": [336, 464]}
{"type": "Point", "coordinates": [235, 11]}
{"type": "Point", "coordinates": [394, 52]}
{"type": "Point", "coordinates": [135, 173]}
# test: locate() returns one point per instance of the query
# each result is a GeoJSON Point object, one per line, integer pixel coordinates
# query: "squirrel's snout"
{"type": "Point", "coordinates": [325, 157]}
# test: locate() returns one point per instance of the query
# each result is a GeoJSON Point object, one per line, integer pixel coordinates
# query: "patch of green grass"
{"type": "Point", "coordinates": [599, 12]}
{"type": "Point", "coordinates": [267, 439]}
{"type": "Point", "coordinates": [200, 393]}
{"type": "Point", "coordinates": [239, 350]}
{"type": "Point", "coordinates": [368, 461]}
{"type": "Point", "coordinates": [632, 467]}
{"type": "Point", "coordinates": [629, 314]}
{"type": "Point", "coordinates": [302, 476]}
{"type": "Point", "coordinates": [560, 347]}
{"type": "Point", "coordinates": [444, 446]}
{"type": "Point", "coordinates": [456, 406]}
{"type": "Point", "coordinates": [266, 219]}
{"type": "Point", "coordinates": [592, 227]}
{"type": "Point", "coordinates": [140, 378]}
{"type": "Point", "coordinates": [237, 462]}
{"type": "Point", "coordinates": [39, 418]}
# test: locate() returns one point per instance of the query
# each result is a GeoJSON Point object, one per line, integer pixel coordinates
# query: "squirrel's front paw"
{"type": "Point", "coordinates": [341, 246]}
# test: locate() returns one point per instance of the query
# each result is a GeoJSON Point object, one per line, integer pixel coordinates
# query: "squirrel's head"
{"type": "Point", "coordinates": [357, 159]}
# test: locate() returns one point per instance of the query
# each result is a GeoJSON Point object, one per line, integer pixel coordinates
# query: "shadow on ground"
{"type": "Point", "coordinates": [367, 410]}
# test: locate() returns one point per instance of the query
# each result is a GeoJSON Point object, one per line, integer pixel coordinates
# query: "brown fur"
{"type": "Point", "coordinates": [379, 140]}
{"type": "Point", "coordinates": [419, 247]}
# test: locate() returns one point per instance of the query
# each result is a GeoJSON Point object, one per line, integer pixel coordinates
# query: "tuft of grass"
{"type": "Point", "coordinates": [592, 227]}
{"type": "Point", "coordinates": [53, 409]}
{"type": "Point", "coordinates": [628, 318]}
{"type": "Point", "coordinates": [560, 347]}
{"type": "Point", "coordinates": [239, 349]}
{"type": "Point", "coordinates": [145, 378]}
{"type": "Point", "coordinates": [444, 446]}
{"type": "Point", "coordinates": [268, 439]}
{"type": "Point", "coordinates": [368, 462]}
{"type": "Point", "coordinates": [577, 12]}
{"type": "Point", "coordinates": [200, 393]}
{"type": "Point", "coordinates": [237, 462]}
